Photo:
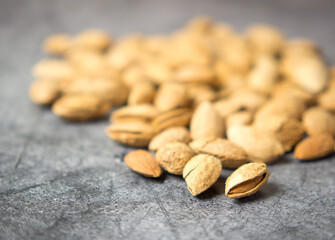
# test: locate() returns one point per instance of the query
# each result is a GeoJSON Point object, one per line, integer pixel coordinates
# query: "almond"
{"type": "Point", "coordinates": [144, 163]}
{"type": "Point", "coordinates": [314, 147]}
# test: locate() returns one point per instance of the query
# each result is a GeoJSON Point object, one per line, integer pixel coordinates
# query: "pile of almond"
{"type": "Point", "coordinates": [201, 99]}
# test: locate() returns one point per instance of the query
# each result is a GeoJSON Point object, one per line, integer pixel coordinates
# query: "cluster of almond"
{"type": "Point", "coordinates": [202, 99]}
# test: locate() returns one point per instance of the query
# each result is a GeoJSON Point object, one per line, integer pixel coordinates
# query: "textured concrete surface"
{"type": "Point", "coordinates": [61, 180]}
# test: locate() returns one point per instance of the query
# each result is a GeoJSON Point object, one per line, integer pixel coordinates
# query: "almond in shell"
{"type": "Point", "coordinates": [173, 134]}
{"type": "Point", "coordinates": [80, 107]}
{"type": "Point", "coordinates": [259, 146]}
{"type": "Point", "coordinates": [173, 157]}
{"type": "Point", "coordinates": [134, 134]}
{"type": "Point", "coordinates": [231, 155]}
{"type": "Point", "coordinates": [246, 180]}
{"type": "Point", "coordinates": [201, 172]}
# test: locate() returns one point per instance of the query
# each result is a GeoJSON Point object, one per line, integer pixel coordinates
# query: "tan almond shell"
{"type": "Point", "coordinates": [112, 91]}
{"type": "Point", "coordinates": [284, 105]}
{"type": "Point", "coordinates": [134, 134]}
{"type": "Point", "coordinates": [200, 92]}
{"type": "Point", "coordinates": [140, 112]}
{"type": "Point", "coordinates": [93, 39]}
{"type": "Point", "coordinates": [173, 118]}
{"type": "Point", "coordinates": [57, 44]}
{"type": "Point", "coordinates": [264, 75]}
{"type": "Point", "coordinates": [317, 121]}
{"type": "Point", "coordinates": [206, 122]}
{"type": "Point", "coordinates": [201, 172]}
{"type": "Point", "coordinates": [89, 63]}
{"type": "Point", "coordinates": [287, 88]}
{"type": "Point", "coordinates": [157, 71]}
{"type": "Point", "coordinates": [245, 175]}
{"type": "Point", "coordinates": [171, 96]}
{"type": "Point", "coordinates": [80, 107]}
{"type": "Point", "coordinates": [54, 69]}
{"type": "Point", "coordinates": [226, 107]}
{"type": "Point", "coordinates": [288, 131]}
{"type": "Point", "coordinates": [309, 73]}
{"type": "Point", "coordinates": [194, 74]}
{"type": "Point", "coordinates": [264, 39]}
{"type": "Point", "coordinates": [173, 134]}
{"type": "Point", "coordinates": [327, 100]}
{"type": "Point", "coordinates": [133, 75]}
{"type": "Point", "coordinates": [144, 163]}
{"type": "Point", "coordinates": [239, 118]}
{"type": "Point", "coordinates": [248, 99]}
{"type": "Point", "coordinates": [44, 92]}
{"type": "Point", "coordinates": [231, 155]}
{"type": "Point", "coordinates": [315, 147]}
{"type": "Point", "coordinates": [259, 146]}
{"type": "Point", "coordinates": [173, 157]}
{"type": "Point", "coordinates": [141, 92]}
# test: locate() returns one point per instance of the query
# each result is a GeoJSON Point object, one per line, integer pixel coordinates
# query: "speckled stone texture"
{"type": "Point", "coordinates": [61, 180]}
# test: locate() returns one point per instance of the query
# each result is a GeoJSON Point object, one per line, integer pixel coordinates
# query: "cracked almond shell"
{"type": "Point", "coordinates": [133, 113]}
{"type": "Point", "coordinates": [134, 134]}
{"type": "Point", "coordinates": [246, 180]}
{"type": "Point", "coordinates": [173, 118]}
{"type": "Point", "coordinates": [201, 172]}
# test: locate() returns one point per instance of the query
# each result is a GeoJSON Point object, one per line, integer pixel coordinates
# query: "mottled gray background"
{"type": "Point", "coordinates": [61, 180]}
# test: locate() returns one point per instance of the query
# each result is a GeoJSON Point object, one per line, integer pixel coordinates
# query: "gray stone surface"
{"type": "Point", "coordinates": [60, 180]}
